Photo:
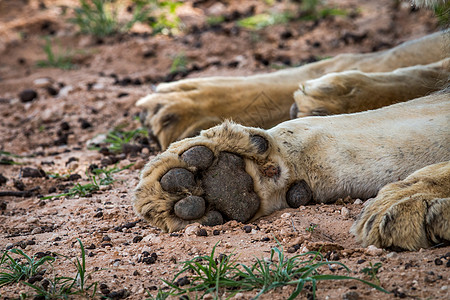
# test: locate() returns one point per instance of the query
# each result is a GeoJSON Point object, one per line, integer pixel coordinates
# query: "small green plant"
{"type": "Point", "coordinates": [311, 228]}
{"type": "Point", "coordinates": [5, 158]}
{"type": "Point", "coordinates": [100, 17]}
{"type": "Point", "coordinates": [105, 175]}
{"type": "Point", "coordinates": [117, 138]}
{"type": "Point", "coordinates": [224, 274]}
{"type": "Point", "coordinates": [57, 175]}
{"type": "Point", "coordinates": [442, 12]}
{"type": "Point", "coordinates": [60, 287]}
{"type": "Point", "coordinates": [166, 21]}
{"type": "Point", "coordinates": [101, 177]}
{"type": "Point", "coordinates": [14, 270]}
{"type": "Point", "coordinates": [372, 271]}
{"type": "Point", "coordinates": [314, 10]}
{"type": "Point", "coordinates": [55, 60]}
{"type": "Point", "coordinates": [215, 20]}
{"type": "Point", "coordinates": [179, 63]}
{"type": "Point", "coordinates": [260, 21]}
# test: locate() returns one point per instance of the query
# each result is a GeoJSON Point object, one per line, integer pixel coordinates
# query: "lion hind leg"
{"type": "Point", "coordinates": [355, 91]}
{"type": "Point", "coordinates": [409, 214]}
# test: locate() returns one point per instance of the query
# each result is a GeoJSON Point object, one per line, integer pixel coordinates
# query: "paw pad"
{"type": "Point", "coordinates": [177, 180]}
{"type": "Point", "coordinates": [190, 208]}
{"type": "Point", "coordinates": [198, 156]}
{"type": "Point", "coordinates": [230, 188]}
{"type": "Point", "coordinates": [298, 194]}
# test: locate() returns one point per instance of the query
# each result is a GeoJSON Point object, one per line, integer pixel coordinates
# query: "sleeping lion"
{"type": "Point", "coordinates": [370, 126]}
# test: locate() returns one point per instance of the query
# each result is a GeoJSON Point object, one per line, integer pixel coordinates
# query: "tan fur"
{"type": "Point", "coordinates": [399, 153]}
{"type": "Point", "coordinates": [181, 109]}
{"type": "Point", "coordinates": [411, 214]}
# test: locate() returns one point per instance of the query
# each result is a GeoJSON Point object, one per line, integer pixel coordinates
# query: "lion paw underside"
{"type": "Point", "coordinates": [409, 214]}
{"type": "Point", "coordinates": [229, 172]}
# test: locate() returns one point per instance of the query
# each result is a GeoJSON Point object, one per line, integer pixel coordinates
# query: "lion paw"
{"type": "Point", "coordinates": [409, 214]}
{"type": "Point", "coordinates": [229, 172]}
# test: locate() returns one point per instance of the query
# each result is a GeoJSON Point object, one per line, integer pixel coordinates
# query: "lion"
{"type": "Point", "coordinates": [370, 126]}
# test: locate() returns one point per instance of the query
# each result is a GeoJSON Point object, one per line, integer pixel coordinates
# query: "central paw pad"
{"type": "Point", "coordinates": [227, 190]}
{"type": "Point", "coordinates": [230, 188]}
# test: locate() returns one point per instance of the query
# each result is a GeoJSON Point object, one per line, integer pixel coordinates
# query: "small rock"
{"type": "Point", "coordinates": [18, 184]}
{"type": "Point", "coordinates": [352, 295]}
{"type": "Point", "coordinates": [202, 232]}
{"type": "Point", "coordinates": [345, 212]}
{"type": "Point", "coordinates": [149, 260]}
{"type": "Point", "coordinates": [291, 250]}
{"type": "Point", "coordinates": [98, 214]}
{"type": "Point", "coordinates": [216, 232]}
{"type": "Point", "coordinates": [192, 229]}
{"type": "Point", "coordinates": [65, 91]}
{"type": "Point", "coordinates": [32, 172]}
{"type": "Point", "coordinates": [373, 251]}
{"type": "Point", "coordinates": [438, 262]}
{"type": "Point", "coordinates": [182, 281]}
{"type": "Point", "coordinates": [304, 249]}
{"type": "Point", "coordinates": [72, 166]}
{"type": "Point", "coordinates": [36, 230]}
{"type": "Point", "coordinates": [358, 202]}
{"type": "Point", "coordinates": [286, 215]}
{"type": "Point", "coordinates": [85, 124]}
{"type": "Point", "coordinates": [42, 82]}
{"type": "Point", "coordinates": [27, 95]}
{"type": "Point", "coordinates": [392, 255]}
{"type": "Point", "coordinates": [247, 228]}
{"type": "Point", "coordinates": [3, 179]}
{"type": "Point", "coordinates": [91, 247]}
{"type": "Point", "coordinates": [137, 239]}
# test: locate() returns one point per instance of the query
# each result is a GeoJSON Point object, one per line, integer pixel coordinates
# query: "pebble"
{"type": "Point", "coordinates": [137, 239]}
{"type": "Point", "coordinates": [304, 249]}
{"type": "Point", "coordinates": [42, 82]}
{"type": "Point", "coordinates": [247, 228]}
{"type": "Point", "coordinates": [392, 255]}
{"type": "Point", "coordinates": [27, 95]}
{"type": "Point", "coordinates": [32, 220]}
{"type": "Point", "coordinates": [65, 91]}
{"type": "Point", "coordinates": [36, 230]}
{"type": "Point", "coordinates": [373, 251]}
{"type": "Point", "coordinates": [438, 262]}
{"type": "Point", "coordinates": [3, 179]}
{"type": "Point", "coordinates": [345, 212]}
{"type": "Point", "coordinates": [72, 166]}
{"type": "Point", "coordinates": [286, 215]}
{"type": "Point", "coordinates": [202, 232]}
{"type": "Point", "coordinates": [358, 202]}
{"type": "Point", "coordinates": [32, 172]}
{"type": "Point", "coordinates": [352, 295]}
{"type": "Point", "coordinates": [192, 229]}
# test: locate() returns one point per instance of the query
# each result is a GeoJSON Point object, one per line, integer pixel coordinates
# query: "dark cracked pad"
{"type": "Point", "coordinates": [230, 188]}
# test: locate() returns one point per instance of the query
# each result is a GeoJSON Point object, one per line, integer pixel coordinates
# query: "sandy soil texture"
{"type": "Point", "coordinates": [53, 124]}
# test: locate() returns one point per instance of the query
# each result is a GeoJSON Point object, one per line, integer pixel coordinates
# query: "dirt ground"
{"type": "Point", "coordinates": [55, 130]}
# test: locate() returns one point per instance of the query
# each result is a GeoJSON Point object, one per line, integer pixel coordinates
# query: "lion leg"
{"type": "Point", "coordinates": [241, 173]}
{"type": "Point", "coordinates": [410, 214]}
{"type": "Point", "coordinates": [228, 172]}
{"type": "Point", "coordinates": [355, 91]}
{"type": "Point", "coordinates": [181, 109]}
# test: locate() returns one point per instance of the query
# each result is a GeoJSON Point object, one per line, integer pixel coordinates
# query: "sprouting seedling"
{"type": "Point", "coordinates": [311, 228]}
{"type": "Point", "coordinates": [372, 271]}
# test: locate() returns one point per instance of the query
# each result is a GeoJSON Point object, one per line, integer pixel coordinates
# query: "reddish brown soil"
{"type": "Point", "coordinates": [116, 71]}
